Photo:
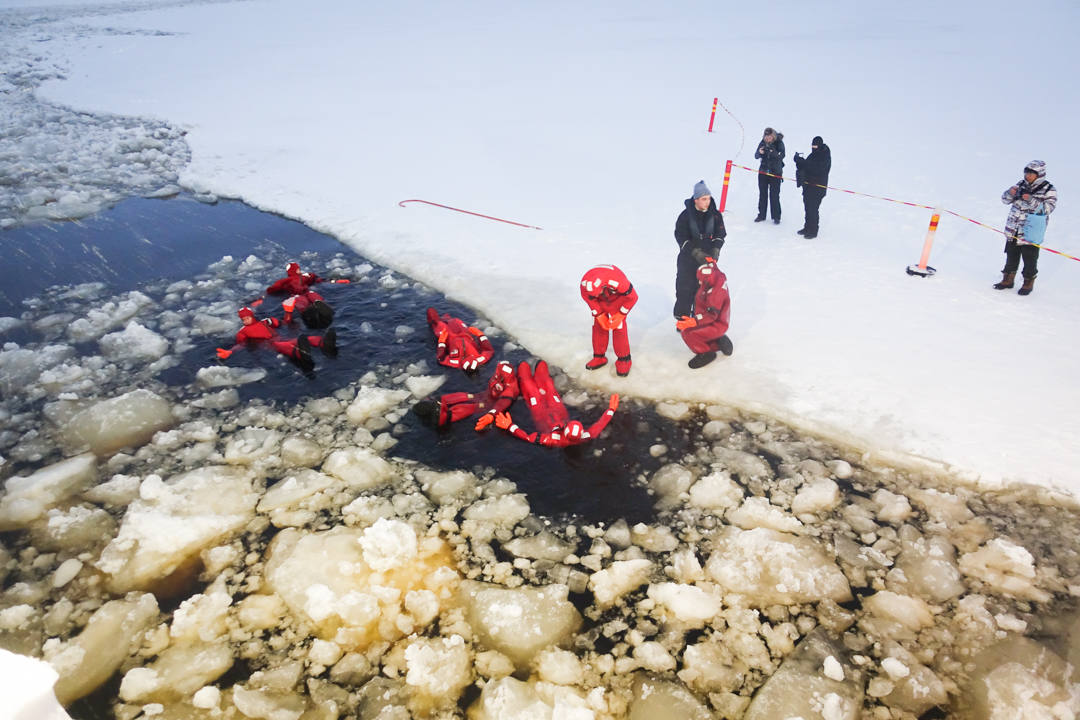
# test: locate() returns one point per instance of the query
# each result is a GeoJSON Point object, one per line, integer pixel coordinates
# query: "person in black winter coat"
{"type": "Point", "coordinates": [771, 152]}
{"type": "Point", "coordinates": [699, 233]}
{"type": "Point", "coordinates": [812, 174]}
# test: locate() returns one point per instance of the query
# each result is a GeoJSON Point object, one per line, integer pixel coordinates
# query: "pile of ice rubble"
{"type": "Point", "coordinates": [245, 560]}
{"type": "Point", "coordinates": [57, 163]}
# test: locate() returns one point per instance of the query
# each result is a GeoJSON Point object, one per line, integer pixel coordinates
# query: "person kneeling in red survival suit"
{"type": "Point", "coordinates": [553, 423]}
{"type": "Point", "coordinates": [705, 332]}
{"type": "Point", "coordinates": [263, 331]}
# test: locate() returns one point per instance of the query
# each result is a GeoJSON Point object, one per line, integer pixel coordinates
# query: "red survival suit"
{"type": "Point", "coordinates": [459, 345]}
{"type": "Point", "coordinates": [259, 331]}
{"type": "Point", "coordinates": [553, 423]}
{"type": "Point", "coordinates": [501, 390]}
{"type": "Point", "coordinates": [712, 305]}
{"type": "Point", "coordinates": [295, 282]}
{"type": "Point", "coordinates": [610, 297]}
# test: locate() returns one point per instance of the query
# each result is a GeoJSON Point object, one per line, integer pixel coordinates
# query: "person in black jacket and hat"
{"type": "Point", "coordinates": [812, 174]}
{"type": "Point", "coordinates": [700, 233]}
{"type": "Point", "coordinates": [770, 173]}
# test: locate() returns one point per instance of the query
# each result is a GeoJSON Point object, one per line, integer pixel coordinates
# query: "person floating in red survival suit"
{"type": "Point", "coordinates": [501, 390]}
{"type": "Point", "coordinates": [610, 297]}
{"type": "Point", "coordinates": [259, 331]}
{"type": "Point", "coordinates": [704, 332]}
{"type": "Point", "coordinates": [458, 345]}
{"type": "Point", "coordinates": [553, 423]}
{"type": "Point", "coordinates": [294, 282]}
{"type": "Point", "coordinates": [311, 307]}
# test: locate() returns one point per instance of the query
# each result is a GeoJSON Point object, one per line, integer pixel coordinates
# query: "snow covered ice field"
{"type": "Point", "coordinates": [594, 130]}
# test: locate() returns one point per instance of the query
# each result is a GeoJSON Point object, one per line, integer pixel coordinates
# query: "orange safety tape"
{"type": "Point", "coordinates": [469, 212]}
{"type": "Point", "coordinates": [909, 204]}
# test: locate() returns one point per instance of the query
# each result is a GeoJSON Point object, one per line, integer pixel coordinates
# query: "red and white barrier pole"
{"type": "Point", "coordinates": [922, 269]}
{"type": "Point", "coordinates": [713, 115]}
{"type": "Point", "coordinates": [727, 180]}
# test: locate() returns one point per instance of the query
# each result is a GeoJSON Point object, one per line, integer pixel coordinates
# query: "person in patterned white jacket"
{"type": "Point", "coordinates": [1032, 195]}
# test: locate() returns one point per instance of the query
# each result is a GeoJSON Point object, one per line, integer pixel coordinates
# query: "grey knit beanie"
{"type": "Point", "coordinates": [701, 189]}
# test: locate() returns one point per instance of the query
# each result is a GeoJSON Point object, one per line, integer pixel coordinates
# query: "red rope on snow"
{"type": "Point", "coordinates": [469, 212]}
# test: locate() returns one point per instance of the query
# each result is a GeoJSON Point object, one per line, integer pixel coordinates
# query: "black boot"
{"type": "Point", "coordinates": [759, 218]}
{"type": "Point", "coordinates": [1027, 287]}
{"type": "Point", "coordinates": [701, 360]}
{"type": "Point", "coordinates": [724, 345]}
{"type": "Point", "coordinates": [801, 232]}
{"type": "Point", "coordinates": [810, 234]}
{"type": "Point", "coordinates": [329, 342]}
{"type": "Point", "coordinates": [303, 354]}
{"type": "Point", "coordinates": [1006, 282]}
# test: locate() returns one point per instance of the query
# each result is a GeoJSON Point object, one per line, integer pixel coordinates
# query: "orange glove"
{"type": "Point", "coordinates": [685, 322]}
{"type": "Point", "coordinates": [615, 321]}
{"type": "Point", "coordinates": [603, 321]}
{"type": "Point", "coordinates": [255, 304]}
{"type": "Point", "coordinates": [223, 354]}
{"type": "Point", "coordinates": [342, 281]}
{"type": "Point", "coordinates": [485, 420]}
{"type": "Point", "coordinates": [502, 420]}
{"type": "Point", "coordinates": [613, 403]}
{"type": "Point", "coordinates": [443, 335]}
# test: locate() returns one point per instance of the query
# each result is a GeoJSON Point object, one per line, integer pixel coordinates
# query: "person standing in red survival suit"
{"type": "Point", "coordinates": [704, 332]}
{"type": "Point", "coordinates": [457, 344]}
{"type": "Point", "coordinates": [553, 423]}
{"type": "Point", "coordinates": [294, 282]}
{"type": "Point", "coordinates": [610, 296]}
{"type": "Point", "coordinates": [501, 390]}
{"type": "Point", "coordinates": [259, 331]}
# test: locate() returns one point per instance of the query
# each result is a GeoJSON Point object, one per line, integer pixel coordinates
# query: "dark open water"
{"type": "Point", "coordinates": [143, 241]}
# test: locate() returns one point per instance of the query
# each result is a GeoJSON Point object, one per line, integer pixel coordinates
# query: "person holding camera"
{"type": "Point", "coordinates": [699, 233]}
{"type": "Point", "coordinates": [812, 175]}
{"type": "Point", "coordinates": [771, 153]}
{"type": "Point", "coordinates": [1034, 195]}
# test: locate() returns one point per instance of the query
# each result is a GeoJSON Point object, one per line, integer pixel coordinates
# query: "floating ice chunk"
{"type": "Point", "coordinates": [484, 517]}
{"type": "Point", "coordinates": [510, 698]}
{"type": "Point", "coordinates": [658, 699]}
{"type": "Point", "coordinates": [561, 667]}
{"type": "Point", "coordinates": [134, 342]}
{"type": "Point", "coordinates": [673, 410]}
{"type": "Point", "coordinates": [179, 671]}
{"type": "Point", "coordinates": [897, 616]}
{"type": "Point", "coordinates": [28, 498]}
{"type": "Point", "coordinates": [252, 446]}
{"type": "Point", "coordinates": [521, 622]}
{"type": "Point", "coordinates": [118, 491]}
{"type": "Point", "coordinates": [542, 546]}
{"type": "Point", "coordinates": [172, 523]}
{"type": "Point", "coordinates": [9, 323]}
{"type": "Point", "coordinates": [422, 386]}
{"type": "Point", "coordinates": [716, 491]}
{"type": "Point", "coordinates": [20, 368]}
{"type": "Point", "coordinates": [768, 567]}
{"type": "Point", "coordinates": [221, 376]}
{"type": "Point", "coordinates": [926, 567]}
{"type": "Point", "coordinates": [438, 669]}
{"type": "Point", "coordinates": [817, 496]}
{"type": "Point", "coordinates": [26, 684]}
{"type": "Point", "coordinates": [669, 483]}
{"type": "Point", "coordinates": [360, 468]}
{"type": "Point", "coordinates": [688, 604]}
{"type": "Point", "coordinates": [758, 512]}
{"type": "Point", "coordinates": [108, 315]}
{"type": "Point", "coordinates": [743, 464]}
{"type": "Point", "coordinates": [89, 659]}
{"type": "Point", "coordinates": [833, 669]}
{"type": "Point", "coordinates": [388, 544]}
{"type": "Point", "coordinates": [800, 689]}
{"type": "Point", "coordinates": [324, 578]}
{"type": "Point", "coordinates": [622, 577]}
{"type": "Point", "coordinates": [893, 509]}
{"type": "Point", "coordinates": [373, 402]}
{"type": "Point", "coordinates": [129, 420]}
{"type": "Point", "coordinates": [1006, 567]}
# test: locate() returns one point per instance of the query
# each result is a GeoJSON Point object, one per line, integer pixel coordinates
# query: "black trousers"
{"type": "Point", "coordinates": [768, 192]}
{"type": "Point", "coordinates": [811, 198]}
{"type": "Point", "coordinates": [686, 283]}
{"type": "Point", "coordinates": [1014, 251]}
